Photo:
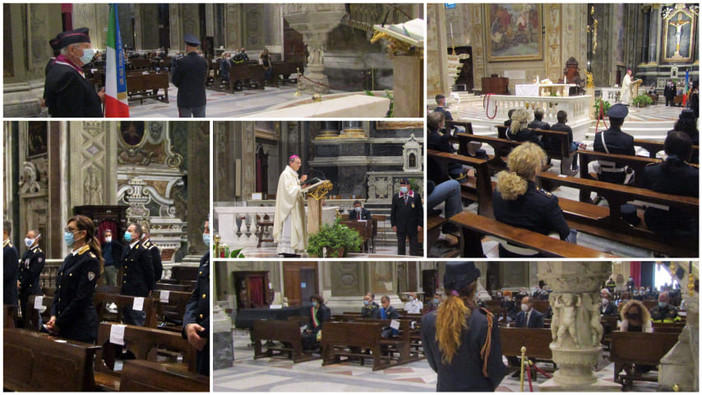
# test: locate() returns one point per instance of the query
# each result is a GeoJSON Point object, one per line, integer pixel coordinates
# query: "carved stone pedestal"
{"type": "Point", "coordinates": [575, 327]}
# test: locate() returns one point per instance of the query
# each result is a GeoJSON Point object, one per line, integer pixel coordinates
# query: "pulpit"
{"type": "Point", "coordinates": [316, 195]}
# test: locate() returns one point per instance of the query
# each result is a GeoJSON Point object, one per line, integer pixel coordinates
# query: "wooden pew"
{"type": "Point", "coordinates": [9, 316]}
{"type": "Point", "coordinates": [476, 226]}
{"type": "Point", "coordinates": [102, 300]}
{"type": "Point", "coordinates": [477, 188]}
{"type": "Point", "coordinates": [607, 222]}
{"type": "Point", "coordinates": [159, 286]}
{"type": "Point", "coordinates": [146, 376]}
{"type": "Point", "coordinates": [654, 147]}
{"type": "Point", "coordinates": [348, 339]}
{"type": "Point", "coordinates": [184, 273]}
{"type": "Point", "coordinates": [560, 150]}
{"type": "Point", "coordinates": [536, 341]}
{"type": "Point", "coordinates": [285, 332]}
{"type": "Point", "coordinates": [665, 327]}
{"type": "Point", "coordinates": [637, 163]}
{"type": "Point", "coordinates": [466, 125]}
{"type": "Point", "coordinates": [34, 313]}
{"type": "Point", "coordinates": [147, 86]}
{"type": "Point", "coordinates": [541, 306]}
{"type": "Point", "coordinates": [250, 72]}
{"type": "Point", "coordinates": [145, 344]}
{"type": "Point", "coordinates": [171, 312]}
{"type": "Point", "coordinates": [38, 362]}
{"type": "Point", "coordinates": [628, 349]}
{"type": "Point", "coordinates": [400, 344]}
{"type": "Point", "coordinates": [501, 148]}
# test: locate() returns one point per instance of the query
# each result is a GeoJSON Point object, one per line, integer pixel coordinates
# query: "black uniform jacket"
{"type": "Point", "coordinates": [10, 259]}
{"type": "Point", "coordinates": [617, 142]}
{"type": "Point", "coordinates": [189, 75]}
{"type": "Point", "coordinates": [69, 94]}
{"type": "Point", "coordinates": [155, 259]}
{"type": "Point", "coordinates": [536, 210]}
{"type": "Point", "coordinates": [677, 178]}
{"type": "Point", "coordinates": [407, 216]}
{"type": "Point", "coordinates": [465, 372]}
{"type": "Point", "coordinates": [370, 311]}
{"type": "Point", "coordinates": [197, 311]}
{"type": "Point", "coordinates": [73, 305]}
{"type": "Point", "coordinates": [525, 135]}
{"type": "Point", "coordinates": [30, 267]}
{"type": "Point", "coordinates": [138, 271]}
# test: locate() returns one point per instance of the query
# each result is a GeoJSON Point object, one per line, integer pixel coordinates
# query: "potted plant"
{"type": "Point", "coordinates": [642, 100]}
{"type": "Point", "coordinates": [334, 241]}
{"type": "Point", "coordinates": [605, 107]}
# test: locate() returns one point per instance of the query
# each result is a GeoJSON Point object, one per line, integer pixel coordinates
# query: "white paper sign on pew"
{"type": "Point", "coordinates": [38, 302]}
{"type": "Point", "coordinates": [165, 296]}
{"type": "Point", "coordinates": [138, 303]}
{"type": "Point", "coordinates": [117, 334]}
{"type": "Point", "coordinates": [395, 324]}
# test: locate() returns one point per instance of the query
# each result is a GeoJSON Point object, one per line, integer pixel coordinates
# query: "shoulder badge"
{"type": "Point", "coordinates": [91, 276]}
{"type": "Point", "coordinates": [93, 255]}
{"type": "Point", "coordinates": [545, 192]}
{"type": "Point", "coordinates": [83, 250]}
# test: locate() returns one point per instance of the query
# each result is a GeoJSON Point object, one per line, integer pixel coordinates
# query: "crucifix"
{"type": "Point", "coordinates": [678, 33]}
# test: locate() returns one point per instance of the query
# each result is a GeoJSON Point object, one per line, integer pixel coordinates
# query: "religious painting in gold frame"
{"type": "Point", "coordinates": [678, 38]}
{"type": "Point", "coordinates": [514, 32]}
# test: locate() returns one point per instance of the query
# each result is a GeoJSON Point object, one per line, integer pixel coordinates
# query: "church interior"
{"type": "Point", "coordinates": [356, 58]}
{"type": "Point", "coordinates": [363, 161]}
{"type": "Point", "coordinates": [116, 174]}
{"type": "Point", "coordinates": [489, 60]}
{"type": "Point", "coordinates": [261, 309]}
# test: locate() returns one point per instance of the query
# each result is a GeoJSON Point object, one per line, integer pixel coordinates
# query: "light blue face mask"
{"type": "Point", "coordinates": [127, 237]}
{"type": "Point", "coordinates": [206, 238]}
{"type": "Point", "coordinates": [69, 239]}
{"type": "Point", "coordinates": [88, 54]}
{"type": "Point", "coordinates": [314, 303]}
{"type": "Point", "coordinates": [366, 303]}
{"type": "Point", "coordinates": [662, 304]}
{"type": "Point", "coordinates": [403, 189]}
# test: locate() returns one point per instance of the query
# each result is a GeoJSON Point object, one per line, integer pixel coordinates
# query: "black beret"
{"type": "Point", "coordinates": [460, 274]}
{"type": "Point", "coordinates": [73, 37]}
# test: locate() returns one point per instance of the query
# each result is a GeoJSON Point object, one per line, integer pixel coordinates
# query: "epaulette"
{"type": "Point", "coordinates": [545, 192]}
{"type": "Point", "coordinates": [83, 250]}
{"type": "Point", "coordinates": [93, 255]}
{"type": "Point", "coordinates": [147, 244]}
{"type": "Point", "coordinates": [36, 249]}
{"type": "Point", "coordinates": [6, 243]}
{"type": "Point", "coordinates": [136, 247]}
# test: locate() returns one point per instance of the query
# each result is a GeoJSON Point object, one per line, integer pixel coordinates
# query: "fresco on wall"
{"type": "Point", "coordinates": [514, 31]}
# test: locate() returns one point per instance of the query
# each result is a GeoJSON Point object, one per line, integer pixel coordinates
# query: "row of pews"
{"type": "Point", "coordinates": [583, 214]}
{"type": "Point", "coordinates": [249, 74]}
{"type": "Point", "coordinates": [158, 356]}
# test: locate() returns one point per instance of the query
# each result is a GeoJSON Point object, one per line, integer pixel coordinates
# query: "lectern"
{"type": "Point", "coordinates": [316, 194]}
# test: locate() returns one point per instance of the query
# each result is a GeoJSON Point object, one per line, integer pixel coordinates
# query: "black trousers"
{"type": "Point", "coordinates": [401, 243]}
{"type": "Point", "coordinates": [309, 340]}
{"type": "Point", "coordinates": [26, 310]}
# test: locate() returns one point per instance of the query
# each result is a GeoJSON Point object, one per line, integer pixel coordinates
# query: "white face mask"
{"type": "Point", "coordinates": [525, 307]}
{"type": "Point", "coordinates": [28, 242]}
{"type": "Point", "coordinates": [108, 239]}
{"type": "Point", "coordinates": [605, 301]}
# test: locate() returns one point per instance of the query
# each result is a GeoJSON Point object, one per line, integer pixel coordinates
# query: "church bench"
{"type": "Point", "coordinates": [628, 349]}
{"type": "Point", "coordinates": [183, 274]}
{"type": "Point", "coordinates": [654, 147]}
{"type": "Point", "coordinates": [541, 306]}
{"type": "Point", "coordinates": [286, 68]}
{"type": "Point", "coordinates": [145, 344]}
{"type": "Point", "coordinates": [146, 376]}
{"type": "Point", "coordinates": [477, 188]}
{"type": "Point", "coordinates": [34, 313]}
{"type": "Point", "coordinates": [501, 148]}
{"type": "Point", "coordinates": [39, 362]}
{"type": "Point", "coordinates": [476, 226]}
{"type": "Point", "coordinates": [161, 286]}
{"type": "Point", "coordinates": [536, 341]}
{"type": "Point", "coordinates": [9, 316]}
{"type": "Point", "coordinates": [667, 327]}
{"type": "Point", "coordinates": [637, 163]}
{"type": "Point", "coordinates": [287, 333]}
{"type": "Point", "coordinates": [495, 307]}
{"type": "Point", "coordinates": [138, 64]}
{"type": "Point", "coordinates": [348, 339]}
{"type": "Point", "coordinates": [433, 226]}
{"type": "Point", "coordinates": [171, 313]}
{"type": "Point", "coordinates": [402, 343]}
{"type": "Point", "coordinates": [560, 150]}
{"type": "Point", "coordinates": [103, 300]}
{"type": "Point", "coordinates": [147, 86]}
{"type": "Point", "coordinates": [466, 125]}
{"type": "Point", "coordinates": [607, 222]}
{"type": "Point", "coordinates": [243, 72]}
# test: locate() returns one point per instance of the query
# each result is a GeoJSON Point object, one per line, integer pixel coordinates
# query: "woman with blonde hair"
{"type": "Point", "coordinates": [517, 201]}
{"type": "Point", "coordinates": [461, 341]}
{"type": "Point", "coordinates": [519, 130]}
{"type": "Point", "coordinates": [635, 317]}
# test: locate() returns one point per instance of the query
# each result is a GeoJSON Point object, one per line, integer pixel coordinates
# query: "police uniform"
{"type": "Point", "coordinates": [137, 279]}
{"type": "Point", "coordinates": [537, 210]}
{"type": "Point", "coordinates": [30, 267]}
{"type": "Point", "coordinates": [197, 311]}
{"type": "Point", "coordinates": [155, 259]}
{"type": "Point", "coordinates": [677, 178]}
{"type": "Point", "coordinates": [10, 259]}
{"type": "Point", "coordinates": [407, 214]}
{"type": "Point", "coordinates": [614, 141]}
{"type": "Point", "coordinates": [189, 75]}
{"type": "Point", "coordinates": [73, 306]}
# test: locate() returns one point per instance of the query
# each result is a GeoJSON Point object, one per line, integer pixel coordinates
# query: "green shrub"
{"type": "Point", "coordinates": [334, 237]}
{"type": "Point", "coordinates": [605, 107]}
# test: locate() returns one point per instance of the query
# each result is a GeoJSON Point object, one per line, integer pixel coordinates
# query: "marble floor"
{"type": "Point", "coordinates": [281, 375]}
{"type": "Point", "coordinates": [270, 252]}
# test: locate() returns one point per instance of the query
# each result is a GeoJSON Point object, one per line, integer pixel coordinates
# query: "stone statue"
{"type": "Point", "coordinates": [591, 305]}
{"type": "Point", "coordinates": [556, 319]}
{"type": "Point", "coordinates": [92, 187]}
{"type": "Point", "coordinates": [569, 304]}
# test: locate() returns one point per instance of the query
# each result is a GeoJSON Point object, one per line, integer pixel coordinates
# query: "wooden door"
{"type": "Point", "coordinates": [300, 281]}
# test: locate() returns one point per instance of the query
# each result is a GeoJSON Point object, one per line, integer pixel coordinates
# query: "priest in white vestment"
{"type": "Point", "coordinates": [625, 95]}
{"type": "Point", "coordinates": [290, 226]}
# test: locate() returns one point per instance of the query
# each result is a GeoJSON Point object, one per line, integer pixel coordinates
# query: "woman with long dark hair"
{"type": "Point", "coordinates": [73, 314]}
{"type": "Point", "coordinates": [461, 341]}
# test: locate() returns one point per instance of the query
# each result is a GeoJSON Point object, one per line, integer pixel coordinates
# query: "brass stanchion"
{"type": "Point", "coordinates": [521, 367]}
{"type": "Point", "coordinates": [217, 239]}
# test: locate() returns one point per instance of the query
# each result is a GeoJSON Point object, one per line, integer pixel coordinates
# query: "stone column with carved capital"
{"type": "Point", "coordinates": [575, 327]}
{"type": "Point", "coordinates": [314, 22]}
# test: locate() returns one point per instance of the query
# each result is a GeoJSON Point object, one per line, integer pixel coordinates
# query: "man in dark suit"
{"type": "Point", "coordinates": [538, 122]}
{"type": "Point", "coordinates": [406, 218]}
{"type": "Point", "coordinates": [196, 321]}
{"type": "Point", "coordinates": [189, 76]}
{"type": "Point", "coordinates": [359, 212]}
{"type": "Point", "coordinates": [370, 308]}
{"type": "Point", "coordinates": [10, 259]}
{"type": "Point", "coordinates": [67, 92]}
{"type": "Point", "coordinates": [440, 107]}
{"type": "Point", "coordinates": [528, 317]}
{"type": "Point", "coordinates": [669, 93]}
{"type": "Point", "coordinates": [388, 312]}
{"type": "Point", "coordinates": [607, 307]}
{"type": "Point", "coordinates": [138, 273]}
{"type": "Point", "coordinates": [154, 251]}
{"type": "Point", "coordinates": [112, 254]}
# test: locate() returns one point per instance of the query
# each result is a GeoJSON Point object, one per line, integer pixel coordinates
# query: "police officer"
{"type": "Point", "coordinates": [676, 177]}
{"type": "Point", "coordinates": [67, 92]}
{"type": "Point", "coordinates": [406, 218]}
{"type": "Point", "coordinates": [137, 273]}
{"type": "Point", "coordinates": [30, 267]}
{"type": "Point", "coordinates": [10, 259]}
{"type": "Point", "coordinates": [196, 321]}
{"type": "Point", "coordinates": [73, 314]}
{"type": "Point", "coordinates": [518, 202]}
{"type": "Point", "coordinates": [154, 251]}
{"type": "Point", "coordinates": [614, 141]}
{"type": "Point", "coordinates": [475, 362]}
{"type": "Point", "coordinates": [189, 75]}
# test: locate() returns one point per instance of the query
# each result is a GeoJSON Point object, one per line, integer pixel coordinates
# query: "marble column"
{"type": "Point", "coordinates": [646, 9]}
{"type": "Point", "coordinates": [330, 129]}
{"type": "Point", "coordinates": [654, 32]}
{"type": "Point", "coordinates": [175, 29]}
{"type": "Point", "coordinates": [353, 129]}
{"type": "Point", "coordinates": [199, 192]}
{"type": "Point", "coordinates": [138, 30]}
{"type": "Point", "coordinates": [314, 21]}
{"type": "Point", "coordinates": [209, 20]}
{"type": "Point", "coordinates": [437, 56]}
{"type": "Point", "coordinates": [575, 327]}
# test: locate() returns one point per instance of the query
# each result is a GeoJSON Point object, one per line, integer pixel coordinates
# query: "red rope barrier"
{"type": "Point", "coordinates": [487, 96]}
{"type": "Point", "coordinates": [600, 115]}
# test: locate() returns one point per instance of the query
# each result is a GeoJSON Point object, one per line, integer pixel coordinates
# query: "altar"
{"type": "Point", "coordinates": [562, 90]}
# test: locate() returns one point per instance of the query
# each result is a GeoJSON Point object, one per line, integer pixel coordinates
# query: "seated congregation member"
{"type": "Point", "coordinates": [73, 314]}
{"type": "Point", "coordinates": [561, 126]}
{"type": "Point", "coordinates": [441, 107]}
{"type": "Point", "coordinates": [519, 131]}
{"type": "Point", "coordinates": [509, 117]}
{"type": "Point", "coordinates": [434, 303]}
{"type": "Point", "coordinates": [359, 212]}
{"type": "Point", "coordinates": [607, 307]}
{"type": "Point", "coordinates": [510, 305]}
{"type": "Point", "coordinates": [441, 142]}
{"type": "Point", "coordinates": [635, 317]}
{"type": "Point", "coordinates": [449, 193]}
{"type": "Point", "coordinates": [413, 305]}
{"type": "Point", "coordinates": [462, 342]}
{"type": "Point", "coordinates": [529, 317]}
{"type": "Point", "coordinates": [319, 314]}
{"type": "Point", "coordinates": [112, 253]}
{"type": "Point", "coordinates": [370, 308]}
{"type": "Point", "coordinates": [138, 273]}
{"type": "Point", "coordinates": [665, 312]}
{"type": "Point", "coordinates": [676, 177]}
{"type": "Point", "coordinates": [518, 202]}
{"type": "Point", "coordinates": [30, 267]}
{"type": "Point", "coordinates": [196, 320]}
{"type": "Point", "coordinates": [388, 312]}
{"type": "Point", "coordinates": [538, 122]}
{"type": "Point", "coordinates": [614, 141]}
{"type": "Point", "coordinates": [687, 123]}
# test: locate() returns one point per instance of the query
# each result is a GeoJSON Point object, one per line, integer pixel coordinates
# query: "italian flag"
{"type": "Point", "coordinates": [116, 105]}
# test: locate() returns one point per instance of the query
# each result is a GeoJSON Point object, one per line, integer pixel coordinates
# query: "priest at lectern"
{"type": "Point", "coordinates": [290, 227]}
